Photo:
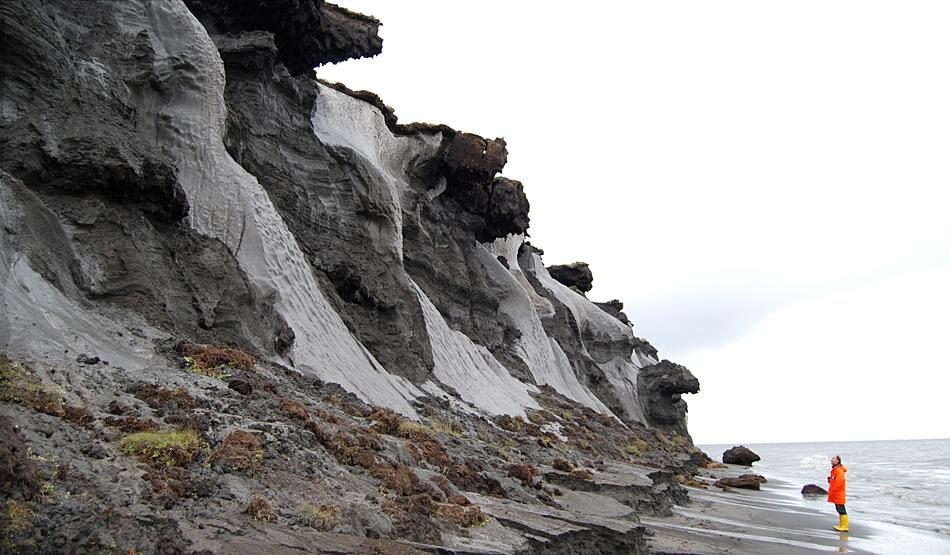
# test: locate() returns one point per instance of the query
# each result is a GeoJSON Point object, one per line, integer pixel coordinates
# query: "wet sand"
{"type": "Point", "coordinates": [772, 521]}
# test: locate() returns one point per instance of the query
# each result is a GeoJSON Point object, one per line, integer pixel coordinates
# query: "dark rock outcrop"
{"type": "Point", "coordinates": [615, 309]}
{"type": "Point", "coordinates": [814, 490]}
{"type": "Point", "coordinates": [661, 386]}
{"type": "Point", "coordinates": [58, 138]}
{"type": "Point", "coordinates": [645, 347]}
{"type": "Point", "coordinates": [741, 455]}
{"type": "Point", "coordinates": [470, 164]}
{"type": "Point", "coordinates": [575, 274]}
{"type": "Point", "coordinates": [471, 160]}
{"type": "Point", "coordinates": [307, 33]}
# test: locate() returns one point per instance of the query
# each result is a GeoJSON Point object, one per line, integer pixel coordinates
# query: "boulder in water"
{"type": "Point", "coordinates": [740, 455]}
{"type": "Point", "coordinates": [813, 490]}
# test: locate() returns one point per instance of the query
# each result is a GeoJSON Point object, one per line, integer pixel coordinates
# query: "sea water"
{"type": "Point", "coordinates": [902, 483]}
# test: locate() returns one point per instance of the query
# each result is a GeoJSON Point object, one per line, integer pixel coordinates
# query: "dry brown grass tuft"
{"type": "Point", "coordinates": [582, 474]}
{"type": "Point", "coordinates": [512, 424]}
{"type": "Point", "coordinates": [294, 409]}
{"type": "Point", "coordinates": [448, 426]}
{"type": "Point", "coordinates": [398, 478]}
{"type": "Point", "coordinates": [212, 360]}
{"type": "Point", "coordinates": [466, 517]}
{"type": "Point", "coordinates": [132, 424]}
{"type": "Point", "coordinates": [15, 522]}
{"type": "Point", "coordinates": [168, 399]}
{"type": "Point", "coordinates": [240, 451]}
{"type": "Point", "coordinates": [322, 518]}
{"type": "Point", "coordinates": [523, 472]}
{"type": "Point", "coordinates": [563, 465]}
{"type": "Point", "coordinates": [19, 385]}
{"type": "Point", "coordinates": [385, 421]}
{"type": "Point", "coordinates": [415, 431]}
{"type": "Point", "coordinates": [260, 509]}
{"type": "Point", "coordinates": [636, 447]}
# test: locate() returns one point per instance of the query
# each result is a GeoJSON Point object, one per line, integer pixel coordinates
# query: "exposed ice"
{"type": "Point", "coordinates": [621, 372]}
{"type": "Point", "coordinates": [228, 203]}
{"type": "Point", "coordinates": [339, 120]}
{"type": "Point", "coordinates": [471, 369]}
{"type": "Point", "coordinates": [522, 305]}
{"type": "Point", "coordinates": [38, 320]}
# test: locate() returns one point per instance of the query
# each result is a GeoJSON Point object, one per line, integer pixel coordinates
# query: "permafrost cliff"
{"type": "Point", "coordinates": [174, 181]}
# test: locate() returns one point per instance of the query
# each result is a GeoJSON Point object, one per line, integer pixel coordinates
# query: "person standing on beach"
{"type": "Point", "coordinates": [836, 486]}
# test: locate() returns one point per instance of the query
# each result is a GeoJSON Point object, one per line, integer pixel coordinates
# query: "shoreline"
{"type": "Point", "coordinates": [770, 521]}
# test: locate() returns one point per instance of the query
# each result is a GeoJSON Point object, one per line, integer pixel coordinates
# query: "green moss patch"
{"type": "Point", "coordinates": [160, 449]}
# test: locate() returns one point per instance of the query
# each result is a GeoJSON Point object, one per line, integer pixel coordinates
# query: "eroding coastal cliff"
{"type": "Point", "coordinates": [246, 310]}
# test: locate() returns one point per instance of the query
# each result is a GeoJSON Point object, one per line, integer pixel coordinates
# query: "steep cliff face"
{"type": "Point", "coordinates": [170, 169]}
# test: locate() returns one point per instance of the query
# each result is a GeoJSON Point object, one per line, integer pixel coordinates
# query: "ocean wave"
{"type": "Point", "coordinates": [904, 493]}
{"type": "Point", "coordinates": [814, 461]}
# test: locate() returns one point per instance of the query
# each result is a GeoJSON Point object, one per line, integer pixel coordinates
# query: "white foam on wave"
{"type": "Point", "coordinates": [814, 462]}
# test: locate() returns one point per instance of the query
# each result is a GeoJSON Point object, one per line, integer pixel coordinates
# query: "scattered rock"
{"type": "Point", "coordinates": [241, 386]}
{"type": "Point", "coordinates": [814, 490]}
{"type": "Point", "coordinates": [118, 408]}
{"type": "Point", "coordinates": [746, 481]}
{"type": "Point", "coordinates": [741, 455]}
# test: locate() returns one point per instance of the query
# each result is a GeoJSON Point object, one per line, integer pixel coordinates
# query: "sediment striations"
{"type": "Point", "coordinates": [401, 370]}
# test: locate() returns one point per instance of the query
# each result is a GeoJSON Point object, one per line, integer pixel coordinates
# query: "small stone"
{"type": "Point", "coordinates": [240, 386]}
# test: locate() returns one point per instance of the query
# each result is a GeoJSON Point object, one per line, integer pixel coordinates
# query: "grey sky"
{"type": "Point", "coordinates": [740, 174]}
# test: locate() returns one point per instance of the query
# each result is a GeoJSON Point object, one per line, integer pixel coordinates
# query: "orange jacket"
{"type": "Point", "coordinates": [836, 483]}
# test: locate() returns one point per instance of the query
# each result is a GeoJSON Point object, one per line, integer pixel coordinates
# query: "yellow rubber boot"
{"type": "Point", "coordinates": [843, 525]}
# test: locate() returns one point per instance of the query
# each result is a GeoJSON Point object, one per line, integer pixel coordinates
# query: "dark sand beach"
{"type": "Point", "coordinates": [772, 521]}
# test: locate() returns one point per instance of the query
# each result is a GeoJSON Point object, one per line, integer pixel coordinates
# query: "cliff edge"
{"type": "Point", "coordinates": [245, 310]}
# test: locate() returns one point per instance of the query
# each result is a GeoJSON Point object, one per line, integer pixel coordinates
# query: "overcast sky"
{"type": "Point", "coordinates": [765, 185]}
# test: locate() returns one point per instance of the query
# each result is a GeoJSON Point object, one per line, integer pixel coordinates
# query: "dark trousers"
{"type": "Point", "coordinates": [841, 510]}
